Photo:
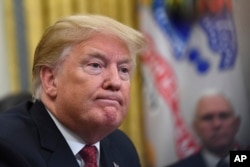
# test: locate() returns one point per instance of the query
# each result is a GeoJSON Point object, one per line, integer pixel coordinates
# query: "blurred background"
{"type": "Point", "coordinates": [194, 45]}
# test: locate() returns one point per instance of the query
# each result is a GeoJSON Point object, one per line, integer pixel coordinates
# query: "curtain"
{"type": "Point", "coordinates": [11, 45]}
{"type": "Point", "coordinates": [27, 19]}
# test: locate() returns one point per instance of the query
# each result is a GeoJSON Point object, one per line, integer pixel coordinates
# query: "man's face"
{"type": "Point", "coordinates": [93, 86]}
{"type": "Point", "coordinates": [215, 123]}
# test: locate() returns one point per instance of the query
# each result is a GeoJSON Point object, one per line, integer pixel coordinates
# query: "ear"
{"type": "Point", "coordinates": [195, 127]}
{"type": "Point", "coordinates": [237, 123]}
{"type": "Point", "coordinates": [47, 76]}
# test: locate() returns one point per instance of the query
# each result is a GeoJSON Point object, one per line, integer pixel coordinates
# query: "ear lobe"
{"type": "Point", "coordinates": [237, 123]}
{"type": "Point", "coordinates": [48, 81]}
{"type": "Point", "coordinates": [195, 127]}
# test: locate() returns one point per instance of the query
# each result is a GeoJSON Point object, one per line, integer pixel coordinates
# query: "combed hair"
{"type": "Point", "coordinates": [210, 92]}
{"type": "Point", "coordinates": [58, 39]}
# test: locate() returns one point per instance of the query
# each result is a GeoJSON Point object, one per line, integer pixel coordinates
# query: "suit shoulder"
{"type": "Point", "coordinates": [8, 154]}
{"type": "Point", "coordinates": [15, 118]}
{"type": "Point", "coordinates": [119, 136]}
{"type": "Point", "coordinates": [121, 148]}
{"type": "Point", "coordinates": [190, 161]}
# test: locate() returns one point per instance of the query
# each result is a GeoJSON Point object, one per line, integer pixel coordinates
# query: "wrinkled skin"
{"type": "Point", "coordinates": [89, 92]}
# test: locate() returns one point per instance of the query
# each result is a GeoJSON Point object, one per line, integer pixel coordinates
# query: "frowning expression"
{"type": "Point", "coordinates": [93, 84]}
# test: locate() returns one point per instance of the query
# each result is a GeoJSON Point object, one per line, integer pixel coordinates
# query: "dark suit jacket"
{"type": "Point", "coordinates": [195, 160]}
{"type": "Point", "coordinates": [29, 138]}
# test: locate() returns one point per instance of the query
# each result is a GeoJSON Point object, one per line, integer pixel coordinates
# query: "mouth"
{"type": "Point", "coordinates": [110, 100]}
{"type": "Point", "coordinates": [218, 137]}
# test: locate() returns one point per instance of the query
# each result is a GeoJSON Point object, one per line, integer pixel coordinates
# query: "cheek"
{"type": "Point", "coordinates": [230, 127]}
{"type": "Point", "coordinates": [204, 130]}
{"type": "Point", "coordinates": [80, 83]}
{"type": "Point", "coordinates": [127, 97]}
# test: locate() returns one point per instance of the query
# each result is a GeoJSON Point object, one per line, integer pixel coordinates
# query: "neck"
{"type": "Point", "coordinates": [221, 152]}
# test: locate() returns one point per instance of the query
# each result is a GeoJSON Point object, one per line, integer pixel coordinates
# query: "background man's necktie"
{"type": "Point", "coordinates": [88, 154]}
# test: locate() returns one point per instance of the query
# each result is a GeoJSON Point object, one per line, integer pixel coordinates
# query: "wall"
{"type": "Point", "coordinates": [242, 21]}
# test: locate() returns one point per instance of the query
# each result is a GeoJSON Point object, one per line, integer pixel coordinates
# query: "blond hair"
{"type": "Point", "coordinates": [72, 30]}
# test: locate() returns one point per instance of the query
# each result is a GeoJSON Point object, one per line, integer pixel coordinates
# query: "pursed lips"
{"type": "Point", "coordinates": [110, 100]}
{"type": "Point", "coordinates": [218, 136]}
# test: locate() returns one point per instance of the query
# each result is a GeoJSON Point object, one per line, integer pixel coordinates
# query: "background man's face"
{"type": "Point", "coordinates": [215, 124]}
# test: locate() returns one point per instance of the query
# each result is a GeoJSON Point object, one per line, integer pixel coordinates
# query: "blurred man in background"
{"type": "Point", "coordinates": [216, 125]}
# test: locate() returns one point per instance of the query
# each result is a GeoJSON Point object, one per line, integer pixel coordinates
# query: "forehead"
{"type": "Point", "coordinates": [213, 104]}
{"type": "Point", "coordinates": [104, 44]}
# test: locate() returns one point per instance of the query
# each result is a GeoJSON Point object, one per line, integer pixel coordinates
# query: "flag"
{"type": "Point", "coordinates": [191, 47]}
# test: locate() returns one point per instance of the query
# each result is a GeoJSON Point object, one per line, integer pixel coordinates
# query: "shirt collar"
{"type": "Point", "coordinates": [75, 142]}
{"type": "Point", "coordinates": [211, 159]}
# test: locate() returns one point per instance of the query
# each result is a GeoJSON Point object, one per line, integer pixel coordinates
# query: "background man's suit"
{"type": "Point", "coordinates": [195, 160]}
{"type": "Point", "coordinates": [29, 138]}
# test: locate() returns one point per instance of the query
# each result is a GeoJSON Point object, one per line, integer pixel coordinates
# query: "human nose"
{"type": "Point", "coordinates": [112, 79]}
{"type": "Point", "coordinates": [216, 122]}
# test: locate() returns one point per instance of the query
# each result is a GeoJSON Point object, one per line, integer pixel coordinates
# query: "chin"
{"type": "Point", "coordinates": [113, 122]}
{"type": "Point", "coordinates": [112, 114]}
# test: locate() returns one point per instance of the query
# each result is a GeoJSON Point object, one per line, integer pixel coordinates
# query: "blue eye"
{"type": "Point", "coordinates": [93, 68]}
{"type": "Point", "coordinates": [125, 73]}
{"type": "Point", "coordinates": [124, 70]}
{"type": "Point", "coordinates": [95, 65]}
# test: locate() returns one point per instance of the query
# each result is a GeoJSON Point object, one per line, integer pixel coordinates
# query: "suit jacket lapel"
{"type": "Point", "coordinates": [106, 154]}
{"type": "Point", "coordinates": [200, 159]}
{"type": "Point", "coordinates": [55, 149]}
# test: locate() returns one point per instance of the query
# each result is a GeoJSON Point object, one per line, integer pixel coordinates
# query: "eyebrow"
{"type": "Point", "coordinates": [215, 114]}
{"type": "Point", "coordinates": [127, 60]}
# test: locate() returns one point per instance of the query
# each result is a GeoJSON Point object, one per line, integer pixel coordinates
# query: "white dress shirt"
{"type": "Point", "coordinates": [75, 142]}
{"type": "Point", "coordinates": [211, 159]}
